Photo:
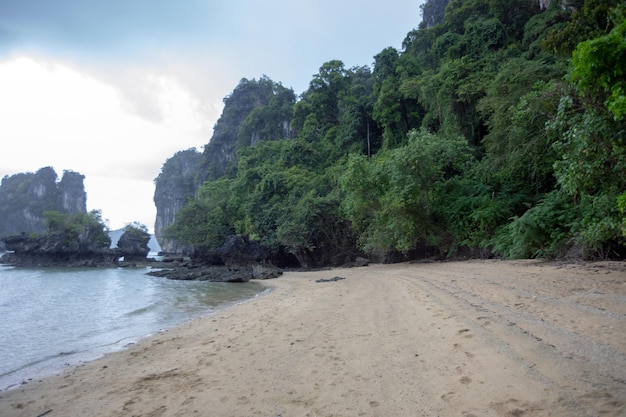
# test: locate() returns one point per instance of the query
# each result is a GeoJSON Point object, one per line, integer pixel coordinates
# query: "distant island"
{"type": "Point", "coordinates": [25, 197]}
{"type": "Point", "coordinates": [76, 240]}
{"type": "Point", "coordinates": [44, 222]}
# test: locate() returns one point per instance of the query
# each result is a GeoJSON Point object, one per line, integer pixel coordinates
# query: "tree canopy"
{"type": "Point", "coordinates": [487, 133]}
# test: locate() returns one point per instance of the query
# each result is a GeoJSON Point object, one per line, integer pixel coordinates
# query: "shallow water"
{"type": "Point", "coordinates": [55, 317]}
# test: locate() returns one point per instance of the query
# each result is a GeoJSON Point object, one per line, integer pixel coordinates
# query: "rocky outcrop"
{"type": "Point", "coordinates": [241, 124]}
{"type": "Point", "coordinates": [544, 4]}
{"type": "Point", "coordinates": [76, 240]}
{"type": "Point", "coordinates": [25, 197]}
{"type": "Point", "coordinates": [178, 182]}
{"type": "Point", "coordinates": [55, 249]}
{"type": "Point", "coordinates": [239, 250]}
{"type": "Point", "coordinates": [133, 245]}
{"type": "Point", "coordinates": [71, 193]}
{"type": "Point", "coordinates": [238, 260]}
{"type": "Point", "coordinates": [197, 273]}
{"type": "Point", "coordinates": [243, 273]}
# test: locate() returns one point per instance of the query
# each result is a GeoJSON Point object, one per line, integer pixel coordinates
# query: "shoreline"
{"type": "Point", "coordinates": [105, 340]}
{"type": "Point", "coordinates": [64, 361]}
{"type": "Point", "coordinates": [488, 338]}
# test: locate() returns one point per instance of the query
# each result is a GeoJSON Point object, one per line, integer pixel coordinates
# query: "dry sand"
{"type": "Point", "coordinates": [479, 338]}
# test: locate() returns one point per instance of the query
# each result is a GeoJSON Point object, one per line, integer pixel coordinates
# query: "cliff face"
{"type": "Point", "coordinates": [71, 191]}
{"type": "Point", "coordinates": [25, 197]}
{"type": "Point", "coordinates": [255, 111]}
{"type": "Point", "coordinates": [178, 181]}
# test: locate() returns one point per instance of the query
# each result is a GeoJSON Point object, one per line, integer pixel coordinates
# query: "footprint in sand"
{"type": "Point", "coordinates": [467, 336]}
{"type": "Point", "coordinates": [448, 396]}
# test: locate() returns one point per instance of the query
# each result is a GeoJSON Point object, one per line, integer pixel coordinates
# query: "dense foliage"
{"type": "Point", "coordinates": [499, 128]}
{"type": "Point", "coordinates": [80, 232]}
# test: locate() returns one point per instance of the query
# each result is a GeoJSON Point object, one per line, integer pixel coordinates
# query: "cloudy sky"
{"type": "Point", "coordinates": [111, 89]}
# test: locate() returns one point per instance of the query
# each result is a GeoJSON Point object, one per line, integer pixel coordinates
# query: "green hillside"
{"type": "Point", "coordinates": [498, 129]}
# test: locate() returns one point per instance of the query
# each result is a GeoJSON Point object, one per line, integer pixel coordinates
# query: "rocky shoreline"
{"type": "Point", "coordinates": [238, 260]}
{"type": "Point", "coordinates": [216, 273]}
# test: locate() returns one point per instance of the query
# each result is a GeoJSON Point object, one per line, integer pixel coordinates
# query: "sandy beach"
{"type": "Point", "coordinates": [467, 339]}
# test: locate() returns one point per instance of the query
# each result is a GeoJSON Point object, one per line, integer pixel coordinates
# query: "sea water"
{"type": "Point", "coordinates": [51, 318]}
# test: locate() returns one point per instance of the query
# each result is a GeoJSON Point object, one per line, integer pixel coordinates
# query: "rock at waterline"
{"type": "Point", "coordinates": [333, 279]}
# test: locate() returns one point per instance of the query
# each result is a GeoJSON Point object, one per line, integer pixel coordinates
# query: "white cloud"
{"type": "Point", "coordinates": [114, 97]}
{"type": "Point", "coordinates": [56, 115]}
{"type": "Point", "coordinates": [121, 200]}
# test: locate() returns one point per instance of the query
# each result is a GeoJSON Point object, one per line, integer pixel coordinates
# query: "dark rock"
{"type": "Point", "coordinates": [358, 262]}
{"type": "Point", "coordinates": [206, 273]}
{"type": "Point", "coordinates": [60, 259]}
{"type": "Point", "coordinates": [265, 271]}
{"type": "Point", "coordinates": [219, 273]}
{"type": "Point", "coordinates": [56, 249]}
{"type": "Point", "coordinates": [333, 279]}
{"type": "Point", "coordinates": [238, 250]}
{"type": "Point", "coordinates": [133, 244]}
{"type": "Point", "coordinates": [178, 259]}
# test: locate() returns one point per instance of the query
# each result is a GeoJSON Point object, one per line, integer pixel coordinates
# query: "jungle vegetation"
{"type": "Point", "coordinates": [497, 129]}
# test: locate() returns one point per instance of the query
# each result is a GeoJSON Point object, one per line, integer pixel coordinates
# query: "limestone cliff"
{"type": "Point", "coordinates": [71, 193]}
{"type": "Point", "coordinates": [178, 181]}
{"type": "Point", "coordinates": [256, 110]}
{"type": "Point", "coordinates": [25, 197]}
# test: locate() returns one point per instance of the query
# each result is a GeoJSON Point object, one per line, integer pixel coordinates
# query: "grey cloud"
{"type": "Point", "coordinates": [208, 45]}
{"type": "Point", "coordinates": [103, 24]}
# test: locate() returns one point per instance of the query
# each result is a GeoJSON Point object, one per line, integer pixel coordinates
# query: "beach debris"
{"type": "Point", "coordinates": [329, 279]}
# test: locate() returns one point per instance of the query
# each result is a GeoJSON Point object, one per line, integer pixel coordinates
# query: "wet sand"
{"type": "Point", "coordinates": [477, 338]}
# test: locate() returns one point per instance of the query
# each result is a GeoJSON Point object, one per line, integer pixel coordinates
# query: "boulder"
{"type": "Point", "coordinates": [236, 250]}
{"type": "Point", "coordinates": [265, 271]}
{"type": "Point", "coordinates": [239, 250]}
{"type": "Point", "coordinates": [206, 273]}
{"type": "Point", "coordinates": [237, 260]}
{"type": "Point", "coordinates": [133, 244]}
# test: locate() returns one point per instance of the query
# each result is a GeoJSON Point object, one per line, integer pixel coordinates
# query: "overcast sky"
{"type": "Point", "coordinates": [111, 89]}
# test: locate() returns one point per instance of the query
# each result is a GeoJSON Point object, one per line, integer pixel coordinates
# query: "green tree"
{"type": "Point", "coordinates": [542, 231]}
{"type": "Point", "coordinates": [394, 110]}
{"type": "Point", "coordinates": [322, 96]}
{"type": "Point", "coordinates": [388, 106]}
{"type": "Point", "coordinates": [478, 138]}
{"type": "Point", "coordinates": [256, 110]}
{"type": "Point", "coordinates": [518, 152]}
{"type": "Point", "coordinates": [81, 231]}
{"type": "Point", "coordinates": [599, 68]}
{"type": "Point", "coordinates": [591, 140]}
{"type": "Point", "coordinates": [589, 19]}
{"type": "Point", "coordinates": [389, 200]}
